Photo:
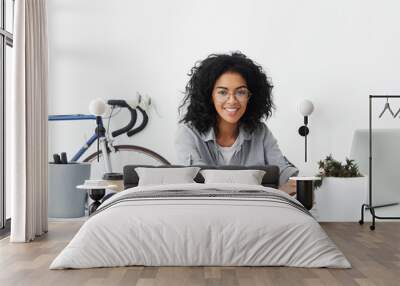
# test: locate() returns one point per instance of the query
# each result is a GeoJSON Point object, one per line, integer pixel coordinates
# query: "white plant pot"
{"type": "Point", "coordinates": [340, 199]}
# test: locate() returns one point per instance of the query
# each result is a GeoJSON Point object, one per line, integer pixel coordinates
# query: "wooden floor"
{"type": "Point", "coordinates": [375, 256]}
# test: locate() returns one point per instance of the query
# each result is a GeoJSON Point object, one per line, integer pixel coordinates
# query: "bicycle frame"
{"type": "Point", "coordinates": [76, 117]}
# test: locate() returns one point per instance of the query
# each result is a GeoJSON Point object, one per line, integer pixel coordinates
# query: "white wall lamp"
{"type": "Point", "coordinates": [306, 107]}
{"type": "Point", "coordinates": [97, 107]}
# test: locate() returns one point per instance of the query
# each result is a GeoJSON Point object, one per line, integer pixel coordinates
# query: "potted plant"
{"type": "Point", "coordinates": [341, 190]}
{"type": "Point", "coordinates": [330, 167]}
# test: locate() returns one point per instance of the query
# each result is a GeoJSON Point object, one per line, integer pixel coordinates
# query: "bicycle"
{"type": "Point", "coordinates": [117, 156]}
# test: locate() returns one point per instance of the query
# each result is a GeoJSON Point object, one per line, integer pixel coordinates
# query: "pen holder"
{"type": "Point", "coordinates": [64, 200]}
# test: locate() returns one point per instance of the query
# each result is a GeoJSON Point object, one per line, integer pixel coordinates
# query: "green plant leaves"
{"type": "Point", "coordinates": [329, 167]}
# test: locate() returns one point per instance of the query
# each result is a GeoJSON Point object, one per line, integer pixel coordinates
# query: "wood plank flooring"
{"type": "Point", "coordinates": [375, 257]}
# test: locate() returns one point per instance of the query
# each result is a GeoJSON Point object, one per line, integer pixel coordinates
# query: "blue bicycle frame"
{"type": "Point", "coordinates": [75, 117]}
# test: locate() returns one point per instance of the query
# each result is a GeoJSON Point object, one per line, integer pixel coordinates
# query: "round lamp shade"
{"type": "Point", "coordinates": [306, 107]}
{"type": "Point", "coordinates": [97, 107]}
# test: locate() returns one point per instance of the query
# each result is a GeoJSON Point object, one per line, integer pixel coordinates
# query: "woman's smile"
{"type": "Point", "coordinates": [232, 111]}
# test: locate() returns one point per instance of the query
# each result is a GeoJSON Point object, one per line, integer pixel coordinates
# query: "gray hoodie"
{"type": "Point", "coordinates": [257, 148]}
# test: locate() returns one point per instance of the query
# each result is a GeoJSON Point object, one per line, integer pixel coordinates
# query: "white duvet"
{"type": "Point", "coordinates": [200, 231]}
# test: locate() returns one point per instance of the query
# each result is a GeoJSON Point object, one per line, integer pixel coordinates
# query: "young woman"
{"type": "Point", "coordinates": [227, 98]}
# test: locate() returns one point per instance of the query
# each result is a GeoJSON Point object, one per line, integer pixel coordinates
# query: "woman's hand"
{"type": "Point", "coordinates": [289, 187]}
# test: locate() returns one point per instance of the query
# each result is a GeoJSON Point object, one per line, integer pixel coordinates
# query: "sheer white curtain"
{"type": "Point", "coordinates": [28, 132]}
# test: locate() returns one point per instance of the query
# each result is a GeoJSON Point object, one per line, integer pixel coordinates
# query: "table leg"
{"type": "Point", "coordinates": [305, 193]}
{"type": "Point", "coordinates": [96, 195]}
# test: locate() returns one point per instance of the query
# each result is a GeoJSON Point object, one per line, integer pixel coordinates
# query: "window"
{"type": "Point", "coordinates": [6, 43]}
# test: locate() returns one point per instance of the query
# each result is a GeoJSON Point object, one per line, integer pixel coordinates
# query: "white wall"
{"type": "Point", "coordinates": [334, 53]}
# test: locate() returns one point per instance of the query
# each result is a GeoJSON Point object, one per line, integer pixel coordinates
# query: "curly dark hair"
{"type": "Point", "coordinates": [200, 110]}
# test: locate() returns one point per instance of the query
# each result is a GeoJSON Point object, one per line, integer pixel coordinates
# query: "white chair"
{"type": "Point", "coordinates": [385, 163]}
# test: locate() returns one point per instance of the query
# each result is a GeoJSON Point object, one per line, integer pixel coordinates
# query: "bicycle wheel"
{"type": "Point", "coordinates": [123, 155]}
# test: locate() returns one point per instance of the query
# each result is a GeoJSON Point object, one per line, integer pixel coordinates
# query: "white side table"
{"type": "Point", "coordinates": [305, 190]}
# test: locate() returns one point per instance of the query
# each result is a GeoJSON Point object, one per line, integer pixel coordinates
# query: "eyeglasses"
{"type": "Point", "coordinates": [241, 95]}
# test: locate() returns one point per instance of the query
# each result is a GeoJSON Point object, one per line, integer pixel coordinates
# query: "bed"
{"type": "Point", "coordinates": [201, 224]}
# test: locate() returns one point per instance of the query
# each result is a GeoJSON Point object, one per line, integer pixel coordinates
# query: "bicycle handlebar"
{"type": "Point", "coordinates": [131, 124]}
{"type": "Point", "coordinates": [142, 125]}
{"type": "Point", "coordinates": [118, 102]}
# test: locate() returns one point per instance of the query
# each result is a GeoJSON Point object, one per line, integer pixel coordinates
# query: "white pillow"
{"type": "Point", "coordinates": [248, 177]}
{"type": "Point", "coordinates": [164, 176]}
